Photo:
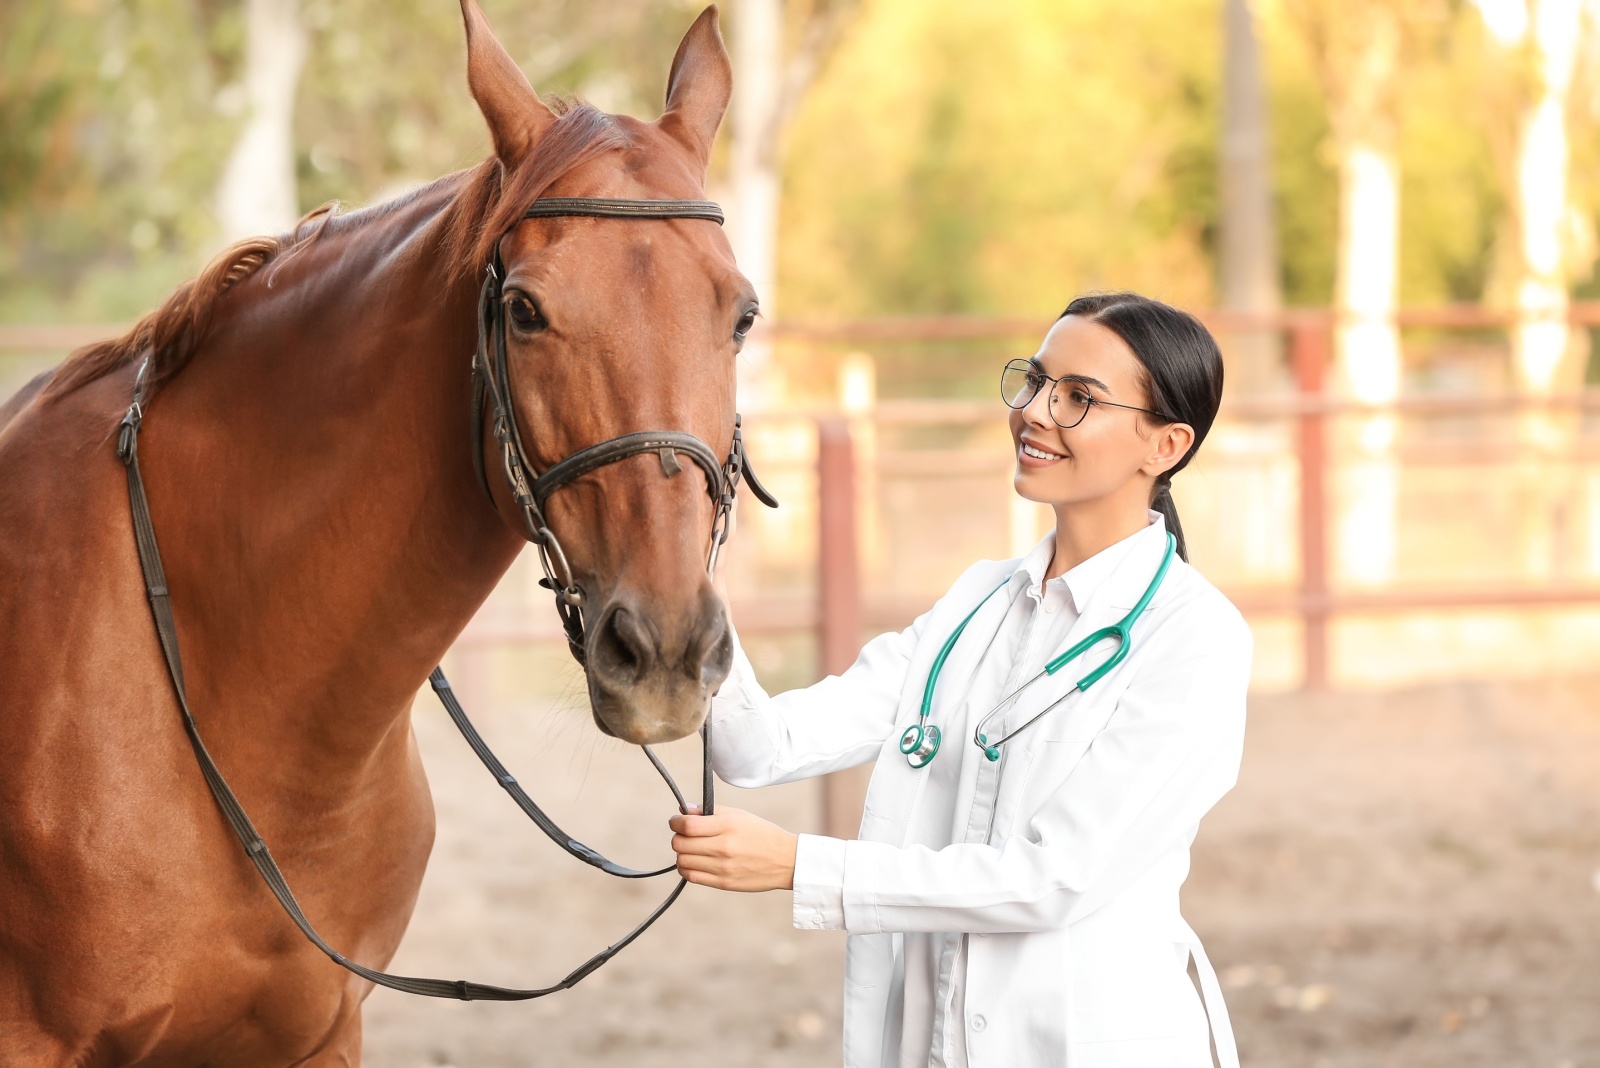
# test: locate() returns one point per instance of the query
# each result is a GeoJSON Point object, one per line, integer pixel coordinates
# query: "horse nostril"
{"type": "Point", "coordinates": [622, 649]}
{"type": "Point", "coordinates": [711, 656]}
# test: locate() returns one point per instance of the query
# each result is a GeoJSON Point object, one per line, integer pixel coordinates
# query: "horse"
{"type": "Point", "coordinates": [308, 418]}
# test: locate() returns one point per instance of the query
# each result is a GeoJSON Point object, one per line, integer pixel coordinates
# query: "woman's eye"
{"type": "Point", "coordinates": [523, 314]}
{"type": "Point", "coordinates": [1080, 398]}
{"type": "Point", "coordinates": [747, 322]}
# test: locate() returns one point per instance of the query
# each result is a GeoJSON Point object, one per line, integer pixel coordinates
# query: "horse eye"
{"type": "Point", "coordinates": [747, 322]}
{"type": "Point", "coordinates": [523, 313]}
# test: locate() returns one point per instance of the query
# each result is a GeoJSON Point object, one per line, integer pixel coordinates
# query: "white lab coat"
{"type": "Point", "coordinates": [1075, 951]}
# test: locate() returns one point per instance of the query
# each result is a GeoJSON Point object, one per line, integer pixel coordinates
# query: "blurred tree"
{"type": "Point", "coordinates": [118, 113]}
{"type": "Point", "coordinates": [1359, 48]}
{"type": "Point", "coordinates": [1550, 242]}
{"type": "Point", "coordinates": [948, 157]}
{"type": "Point", "coordinates": [110, 115]}
{"type": "Point", "coordinates": [1000, 157]}
{"type": "Point", "coordinates": [778, 48]}
{"type": "Point", "coordinates": [1536, 57]}
{"type": "Point", "coordinates": [1248, 270]}
{"type": "Point", "coordinates": [257, 193]}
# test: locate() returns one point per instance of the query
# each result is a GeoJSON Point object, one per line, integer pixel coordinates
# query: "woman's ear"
{"type": "Point", "coordinates": [1171, 443]}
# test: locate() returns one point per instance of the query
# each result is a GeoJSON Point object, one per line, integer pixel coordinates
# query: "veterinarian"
{"type": "Point", "coordinates": [1012, 899]}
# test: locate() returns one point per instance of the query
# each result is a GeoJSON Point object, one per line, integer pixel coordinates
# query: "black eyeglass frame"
{"type": "Point", "coordinates": [1032, 369]}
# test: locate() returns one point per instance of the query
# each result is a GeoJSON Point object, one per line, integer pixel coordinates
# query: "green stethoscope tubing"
{"type": "Point", "coordinates": [920, 742]}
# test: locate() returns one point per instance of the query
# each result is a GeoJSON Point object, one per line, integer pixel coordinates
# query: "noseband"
{"type": "Point", "coordinates": [530, 491]}
{"type": "Point", "coordinates": [491, 379]}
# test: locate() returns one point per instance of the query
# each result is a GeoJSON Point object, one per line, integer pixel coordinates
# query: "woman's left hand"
{"type": "Point", "coordinates": [733, 850]}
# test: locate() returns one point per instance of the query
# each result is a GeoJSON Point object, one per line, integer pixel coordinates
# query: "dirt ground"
{"type": "Point", "coordinates": [1406, 879]}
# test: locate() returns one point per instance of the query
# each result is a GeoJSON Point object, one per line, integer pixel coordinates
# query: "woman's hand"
{"type": "Point", "coordinates": [733, 850]}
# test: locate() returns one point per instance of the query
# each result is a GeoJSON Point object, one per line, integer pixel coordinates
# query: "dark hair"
{"type": "Point", "coordinates": [1182, 372]}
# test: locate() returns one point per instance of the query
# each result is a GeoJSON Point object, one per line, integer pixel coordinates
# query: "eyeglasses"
{"type": "Point", "coordinates": [1021, 381]}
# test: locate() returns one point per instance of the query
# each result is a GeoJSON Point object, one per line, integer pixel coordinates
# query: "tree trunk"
{"type": "Point", "coordinates": [257, 192]}
{"type": "Point", "coordinates": [1367, 339]}
{"type": "Point", "coordinates": [1542, 203]}
{"type": "Point", "coordinates": [1248, 262]}
{"type": "Point", "coordinates": [757, 100]}
{"type": "Point", "coordinates": [1545, 359]}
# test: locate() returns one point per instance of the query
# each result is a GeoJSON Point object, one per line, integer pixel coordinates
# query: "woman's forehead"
{"type": "Point", "coordinates": [1077, 346]}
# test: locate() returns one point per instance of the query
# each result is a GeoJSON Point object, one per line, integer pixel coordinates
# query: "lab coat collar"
{"type": "Point", "coordinates": [1102, 569]}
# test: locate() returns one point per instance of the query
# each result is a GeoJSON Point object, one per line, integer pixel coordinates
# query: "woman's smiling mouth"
{"type": "Point", "coordinates": [1031, 455]}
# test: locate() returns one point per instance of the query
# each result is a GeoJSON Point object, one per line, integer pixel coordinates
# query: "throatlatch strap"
{"type": "Point", "coordinates": [255, 848]}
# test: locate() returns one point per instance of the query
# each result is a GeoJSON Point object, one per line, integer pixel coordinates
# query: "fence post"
{"type": "Point", "coordinates": [839, 618]}
{"type": "Point", "coordinates": [1310, 351]}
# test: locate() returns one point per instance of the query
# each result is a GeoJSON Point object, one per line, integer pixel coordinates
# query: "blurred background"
{"type": "Point", "coordinates": [1386, 211]}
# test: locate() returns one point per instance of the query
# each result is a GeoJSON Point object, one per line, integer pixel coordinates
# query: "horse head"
{"type": "Point", "coordinates": [608, 327]}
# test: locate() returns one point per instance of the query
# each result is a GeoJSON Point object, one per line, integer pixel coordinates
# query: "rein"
{"type": "Point", "coordinates": [530, 491]}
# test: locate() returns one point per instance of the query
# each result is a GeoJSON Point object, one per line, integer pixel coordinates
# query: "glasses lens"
{"type": "Point", "coordinates": [1069, 403]}
{"type": "Point", "coordinates": [1019, 382]}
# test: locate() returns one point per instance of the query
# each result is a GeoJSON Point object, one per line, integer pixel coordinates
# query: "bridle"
{"type": "Point", "coordinates": [491, 375]}
{"type": "Point", "coordinates": [530, 491]}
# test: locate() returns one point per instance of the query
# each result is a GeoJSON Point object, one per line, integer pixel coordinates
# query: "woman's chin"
{"type": "Point", "coordinates": [1029, 486]}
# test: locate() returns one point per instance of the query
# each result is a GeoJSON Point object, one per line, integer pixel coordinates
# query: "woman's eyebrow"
{"type": "Point", "coordinates": [1087, 381]}
{"type": "Point", "coordinates": [1083, 379]}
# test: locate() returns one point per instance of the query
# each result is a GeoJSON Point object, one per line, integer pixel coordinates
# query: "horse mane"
{"type": "Point", "coordinates": [489, 202]}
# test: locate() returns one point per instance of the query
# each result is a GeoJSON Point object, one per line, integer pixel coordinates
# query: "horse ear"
{"type": "Point", "coordinates": [516, 116]}
{"type": "Point", "coordinates": [699, 86]}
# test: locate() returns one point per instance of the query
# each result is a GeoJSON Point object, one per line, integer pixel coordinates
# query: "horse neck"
{"type": "Point", "coordinates": [345, 542]}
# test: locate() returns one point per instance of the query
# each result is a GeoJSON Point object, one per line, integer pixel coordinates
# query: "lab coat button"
{"type": "Point", "coordinates": [979, 1023]}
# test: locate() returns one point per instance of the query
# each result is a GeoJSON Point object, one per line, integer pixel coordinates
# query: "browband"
{"type": "Point", "coordinates": [621, 208]}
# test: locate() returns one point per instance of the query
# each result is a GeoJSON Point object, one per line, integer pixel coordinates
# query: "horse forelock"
{"type": "Point", "coordinates": [488, 201]}
{"type": "Point", "coordinates": [580, 133]}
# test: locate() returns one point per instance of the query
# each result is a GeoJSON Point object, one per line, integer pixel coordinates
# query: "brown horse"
{"type": "Point", "coordinates": [308, 455]}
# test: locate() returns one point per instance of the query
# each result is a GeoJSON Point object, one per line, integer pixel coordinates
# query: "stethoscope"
{"type": "Point", "coordinates": [920, 742]}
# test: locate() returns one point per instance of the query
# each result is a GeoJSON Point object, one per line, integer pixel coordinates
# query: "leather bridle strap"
{"type": "Point", "coordinates": [155, 583]}
{"type": "Point", "coordinates": [490, 382]}
{"type": "Point", "coordinates": [623, 208]}
{"type": "Point", "coordinates": [667, 444]}
{"type": "Point", "coordinates": [530, 491]}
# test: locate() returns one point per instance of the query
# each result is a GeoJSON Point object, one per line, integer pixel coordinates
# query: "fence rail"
{"type": "Point", "coordinates": [839, 610]}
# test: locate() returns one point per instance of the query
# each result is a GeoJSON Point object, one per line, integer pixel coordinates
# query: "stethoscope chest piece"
{"type": "Point", "coordinates": [920, 743]}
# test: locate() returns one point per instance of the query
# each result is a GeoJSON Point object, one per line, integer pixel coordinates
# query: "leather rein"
{"type": "Point", "coordinates": [530, 491]}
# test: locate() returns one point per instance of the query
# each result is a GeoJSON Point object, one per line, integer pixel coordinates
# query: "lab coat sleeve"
{"type": "Point", "coordinates": [840, 722]}
{"type": "Point", "coordinates": [1170, 750]}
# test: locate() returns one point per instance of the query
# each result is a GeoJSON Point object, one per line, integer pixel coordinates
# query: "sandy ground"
{"type": "Point", "coordinates": [1399, 879]}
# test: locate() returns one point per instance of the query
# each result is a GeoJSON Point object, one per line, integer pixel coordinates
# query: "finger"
{"type": "Point", "coordinates": [701, 878]}
{"type": "Point", "coordinates": [700, 826]}
{"type": "Point", "coordinates": [699, 847]}
{"type": "Point", "coordinates": [681, 820]}
{"type": "Point", "coordinates": [692, 809]}
{"type": "Point", "coordinates": [688, 862]}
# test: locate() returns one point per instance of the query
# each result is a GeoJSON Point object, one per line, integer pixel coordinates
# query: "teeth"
{"type": "Point", "coordinates": [1038, 453]}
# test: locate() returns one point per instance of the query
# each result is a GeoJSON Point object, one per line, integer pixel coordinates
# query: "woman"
{"type": "Point", "coordinates": [1013, 897]}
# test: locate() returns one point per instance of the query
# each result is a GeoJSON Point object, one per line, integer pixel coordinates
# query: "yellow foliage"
{"type": "Point", "coordinates": [1000, 158]}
